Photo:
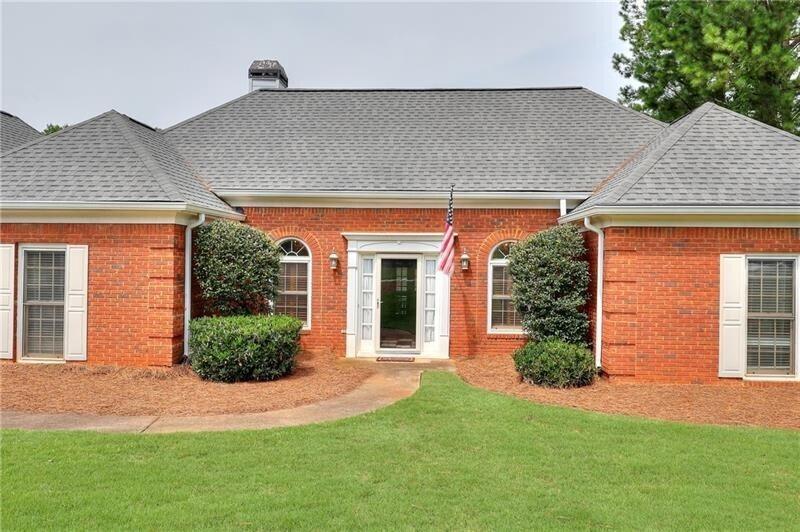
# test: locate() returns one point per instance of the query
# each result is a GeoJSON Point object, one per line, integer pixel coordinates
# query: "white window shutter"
{"type": "Point", "coordinates": [77, 302]}
{"type": "Point", "coordinates": [732, 315]}
{"type": "Point", "coordinates": [6, 300]}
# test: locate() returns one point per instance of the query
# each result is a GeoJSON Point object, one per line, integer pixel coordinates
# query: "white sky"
{"type": "Point", "coordinates": [162, 63]}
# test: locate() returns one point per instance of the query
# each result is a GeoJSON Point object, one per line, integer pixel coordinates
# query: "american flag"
{"type": "Point", "coordinates": [448, 248]}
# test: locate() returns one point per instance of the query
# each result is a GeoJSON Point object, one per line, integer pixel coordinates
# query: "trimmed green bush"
{"type": "Point", "coordinates": [555, 364]}
{"type": "Point", "coordinates": [244, 348]}
{"type": "Point", "coordinates": [551, 279]}
{"type": "Point", "coordinates": [236, 267]}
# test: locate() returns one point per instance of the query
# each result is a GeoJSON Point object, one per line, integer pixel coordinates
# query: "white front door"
{"type": "Point", "coordinates": [399, 303]}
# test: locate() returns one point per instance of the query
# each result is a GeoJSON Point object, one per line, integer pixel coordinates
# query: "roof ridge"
{"type": "Point", "coordinates": [755, 122]}
{"type": "Point", "coordinates": [625, 107]}
{"type": "Point", "coordinates": [651, 159]}
{"type": "Point", "coordinates": [169, 188]}
{"type": "Point", "coordinates": [58, 133]}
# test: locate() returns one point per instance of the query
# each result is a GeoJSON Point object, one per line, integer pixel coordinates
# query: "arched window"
{"type": "Point", "coordinates": [294, 282]}
{"type": "Point", "coordinates": [503, 316]}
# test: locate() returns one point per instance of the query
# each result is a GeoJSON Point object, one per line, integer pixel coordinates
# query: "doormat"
{"type": "Point", "coordinates": [395, 359]}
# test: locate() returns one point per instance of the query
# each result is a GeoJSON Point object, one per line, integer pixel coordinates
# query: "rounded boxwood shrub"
{"type": "Point", "coordinates": [236, 267]}
{"type": "Point", "coordinates": [551, 279]}
{"type": "Point", "coordinates": [555, 364]}
{"type": "Point", "coordinates": [243, 348]}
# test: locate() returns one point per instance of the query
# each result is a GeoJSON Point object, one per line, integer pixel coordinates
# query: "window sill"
{"type": "Point", "coordinates": [771, 378]}
{"type": "Point", "coordinates": [506, 333]}
{"type": "Point", "coordinates": [41, 360]}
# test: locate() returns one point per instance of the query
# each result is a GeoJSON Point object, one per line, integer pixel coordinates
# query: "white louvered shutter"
{"type": "Point", "coordinates": [76, 302]}
{"type": "Point", "coordinates": [732, 315]}
{"type": "Point", "coordinates": [6, 300]}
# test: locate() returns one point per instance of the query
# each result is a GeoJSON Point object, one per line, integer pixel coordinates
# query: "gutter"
{"type": "Point", "coordinates": [598, 324]}
{"type": "Point", "coordinates": [187, 280]}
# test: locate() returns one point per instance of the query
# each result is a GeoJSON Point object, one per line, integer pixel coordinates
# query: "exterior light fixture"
{"type": "Point", "coordinates": [333, 260]}
{"type": "Point", "coordinates": [464, 261]}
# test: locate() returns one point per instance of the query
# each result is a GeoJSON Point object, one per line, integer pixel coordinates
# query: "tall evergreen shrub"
{"type": "Point", "coordinates": [551, 280]}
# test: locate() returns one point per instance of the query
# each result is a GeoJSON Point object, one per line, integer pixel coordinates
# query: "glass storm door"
{"type": "Point", "coordinates": [398, 304]}
{"type": "Point", "coordinates": [43, 304]}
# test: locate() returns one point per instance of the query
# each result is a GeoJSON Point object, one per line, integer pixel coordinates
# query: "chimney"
{"type": "Point", "coordinates": [267, 74]}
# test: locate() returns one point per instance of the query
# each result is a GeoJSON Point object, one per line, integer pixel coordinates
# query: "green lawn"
{"type": "Point", "coordinates": [449, 457]}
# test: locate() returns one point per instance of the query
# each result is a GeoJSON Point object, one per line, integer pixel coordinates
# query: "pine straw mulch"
{"type": "Point", "coordinates": [725, 404]}
{"type": "Point", "coordinates": [174, 391]}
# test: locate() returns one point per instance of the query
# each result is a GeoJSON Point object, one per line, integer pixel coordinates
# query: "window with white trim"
{"type": "Point", "coordinates": [503, 315]}
{"type": "Point", "coordinates": [43, 303]}
{"type": "Point", "coordinates": [294, 281]}
{"type": "Point", "coordinates": [770, 316]}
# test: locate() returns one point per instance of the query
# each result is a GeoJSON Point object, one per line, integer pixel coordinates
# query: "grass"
{"type": "Point", "coordinates": [450, 457]}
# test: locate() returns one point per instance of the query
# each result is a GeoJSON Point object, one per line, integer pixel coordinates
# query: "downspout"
{"type": "Point", "coordinates": [598, 326]}
{"type": "Point", "coordinates": [187, 280]}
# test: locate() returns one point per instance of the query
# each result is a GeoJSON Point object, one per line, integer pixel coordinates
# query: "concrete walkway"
{"type": "Point", "coordinates": [391, 382]}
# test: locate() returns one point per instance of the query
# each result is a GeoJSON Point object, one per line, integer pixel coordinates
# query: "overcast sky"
{"type": "Point", "coordinates": [162, 63]}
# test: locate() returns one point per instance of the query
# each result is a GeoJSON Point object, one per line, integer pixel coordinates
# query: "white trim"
{"type": "Point", "coordinates": [796, 347]}
{"type": "Point", "coordinates": [378, 269]}
{"type": "Point", "coordinates": [768, 212]}
{"type": "Point", "coordinates": [370, 245]}
{"type": "Point", "coordinates": [187, 279]}
{"type": "Point", "coordinates": [21, 249]}
{"type": "Point", "coordinates": [309, 261]}
{"type": "Point", "coordinates": [7, 284]}
{"type": "Point", "coordinates": [114, 206]}
{"type": "Point", "coordinates": [400, 200]}
{"type": "Point", "coordinates": [598, 307]}
{"type": "Point", "coordinates": [489, 281]}
{"type": "Point", "coordinates": [96, 217]}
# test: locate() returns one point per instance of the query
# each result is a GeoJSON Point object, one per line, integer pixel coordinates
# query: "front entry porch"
{"type": "Point", "coordinates": [397, 301]}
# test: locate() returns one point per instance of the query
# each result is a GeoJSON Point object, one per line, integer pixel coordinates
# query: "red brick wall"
{"type": "Point", "coordinates": [661, 297]}
{"type": "Point", "coordinates": [478, 231]}
{"type": "Point", "coordinates": [135, 313]}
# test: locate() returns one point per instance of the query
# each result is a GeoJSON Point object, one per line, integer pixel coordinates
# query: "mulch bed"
{"type": "Point", "coordinates": [169, 391]}
{"type": "Point", "coordinates": [731, 404]}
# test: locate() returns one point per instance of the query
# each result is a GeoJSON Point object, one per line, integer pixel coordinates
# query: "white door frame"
{"type": "Point", "coordinates": [418, 318]}
{"type": "Point", "coordinates": [371, 245]}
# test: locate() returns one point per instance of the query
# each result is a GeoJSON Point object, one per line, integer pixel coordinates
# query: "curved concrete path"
{"type": "Point", "coordinates": [391, 382]}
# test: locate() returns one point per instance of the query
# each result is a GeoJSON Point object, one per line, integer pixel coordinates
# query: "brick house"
{"type": "Point", "coordinates": [693, 228]}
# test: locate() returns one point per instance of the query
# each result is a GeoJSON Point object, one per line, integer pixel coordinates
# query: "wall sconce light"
{"type": "Point", "coordinates": [333, 260]}
{"type": "Point", "coordinates": [464, 261]}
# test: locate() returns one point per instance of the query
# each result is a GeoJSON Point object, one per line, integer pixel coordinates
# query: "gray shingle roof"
{"type": "Point", "coordinates": [712, 156]}
{"type": "Point", "coordinates": [412, 140]}
{"type": "Point", "coordinates": [108, 158]}
{"type": "Point", "coordinates": [14, 132]}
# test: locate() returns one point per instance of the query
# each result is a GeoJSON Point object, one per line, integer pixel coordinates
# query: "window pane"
{"type": "Point", "coordinates": [293, 290]}
{"type": "Point", "coordinates": [294, 248]}
{"type": "Point", "coordinates": [294, 277]}
{"type": "Point", "coordinates": [502, 251]}
{"type": "Point", "coordinates": [293, 305]}
{"type": "Point", "coordinates": [504, 314]}
{"type": "Point", "coordinates": [770, 305]}
{"type": "Point", "coordinates": [501, 281]}
{"type": "Point", "coordinates": [43, 301]}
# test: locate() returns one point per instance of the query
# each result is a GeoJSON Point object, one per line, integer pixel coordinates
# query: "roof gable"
{"type": "Point", "coordinates": [713, 156]}
{"type": "Point", "coordinates": [496, 140]}
{"type": "Point", "coordinates": [109, 158]}
{"type": "Point", "coordinates": [15, 132]}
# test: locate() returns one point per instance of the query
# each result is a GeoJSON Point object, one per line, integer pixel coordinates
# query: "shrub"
{"type": "Point", "coordinates": [551, 279]}
{"type": "Point", "coordinates": [242, 348]}
{"type": "Point", "coordinates": [236, 267]}
{"type": "Point", "coordinates": [555, 364]}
